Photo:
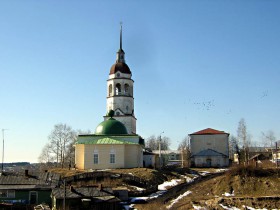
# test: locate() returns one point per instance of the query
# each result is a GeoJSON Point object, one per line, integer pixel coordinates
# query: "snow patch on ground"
{"type": "Point", "coordinates": [204, 173]}
{"type": "Point", "coordinates": [199, 207]}
{"type": "Point", "coordinates": [178, 198]}
{"type": "Point", "coordinates": [251, 208]}
{"type": "Point", "coordinates": [221, 170]}
{"type": "Point", "coordinates": [157, 194]}
{"type": "Point", "coordinates": [229, 208]}
{"type": "Point", "coordinates": [188, 179]}
{"type": "Point", "coordinates": [138, 199]}
{"type": "Point", "coordinates": [137, 188]}
{"type": "Point", "coordinates": [235, 208]}
{"type": "Point", "coordinates": [166, 185]}
{"type": "Point", "coordinates": [228, 194]}
{"type": "Point", "coordinates": [128, 207]}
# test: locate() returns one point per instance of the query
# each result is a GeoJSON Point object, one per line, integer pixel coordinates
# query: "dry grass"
{"type": "Point", "coordinates": [249, 185]}
{"type": "Point", "coordinates": [65, 172]}
{"type": "Point", "coordinates": [143, 173]}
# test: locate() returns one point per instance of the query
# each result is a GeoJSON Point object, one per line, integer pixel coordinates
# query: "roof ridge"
{"type": "Point", "coordinates": [209, 131]}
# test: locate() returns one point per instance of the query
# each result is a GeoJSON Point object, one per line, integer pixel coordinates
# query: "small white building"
{"type": "Point", "coordinates": [167, 157]}
{"type": "Point", "coordinates": [149, 159]}
{"type": "Point", "coordinates": [209, 148]}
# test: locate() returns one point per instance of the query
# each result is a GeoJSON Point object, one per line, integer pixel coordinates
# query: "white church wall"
{"type": "Point", "coordinates": [79, 156]}
{"type": "Point", "coordinates": [121, 75]}
{"type": "Point", "coordinates": [103, 152]}
{"type": "Point", "coordinates": [133, 156]}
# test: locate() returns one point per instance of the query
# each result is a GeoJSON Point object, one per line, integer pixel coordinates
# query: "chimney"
{"type": "Point", "coordinates": [100, 187]}
{"type": "Point", "coordinates": [71, 188]}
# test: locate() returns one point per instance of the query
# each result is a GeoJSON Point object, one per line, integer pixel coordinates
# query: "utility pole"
{"type": "Point", "coordinates": [159, 147]}
{"type": "Point", "coordinates": [64, 193]}
{"type": "Point", "coordinates": [182, 156]}
{"type": "Point", "coordinates": [276, 154]}
{"type": "Point", "coordinates": [3, 130]}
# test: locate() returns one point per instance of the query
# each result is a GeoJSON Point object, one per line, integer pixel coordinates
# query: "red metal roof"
{"type": "Point", "coordinates": [121, 67]}
{"type": "Point", "coordinates": [208, 131]}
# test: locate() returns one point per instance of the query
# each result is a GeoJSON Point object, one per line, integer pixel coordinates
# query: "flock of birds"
{"type": "Point", "coordinates": [208, 105]}
{"type": "Point", "coordinates": [205, 105]}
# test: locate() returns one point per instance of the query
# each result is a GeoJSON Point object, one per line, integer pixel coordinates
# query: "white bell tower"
{"type": "Point", "coordinates": [120, 92]}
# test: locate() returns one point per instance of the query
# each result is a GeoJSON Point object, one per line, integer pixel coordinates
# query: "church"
{"type": "Point", "coordinates": [115, 143]}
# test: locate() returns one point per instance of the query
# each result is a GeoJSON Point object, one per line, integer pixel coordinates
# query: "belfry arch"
{"type": "Point", "coordinates": [126, 89]}
{"type": "Point", "coordinates": [118, 89]}
{"type": "Point", "coordinates": [110, 90]}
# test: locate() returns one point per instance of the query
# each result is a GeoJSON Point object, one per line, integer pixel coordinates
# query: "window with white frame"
{"type": "Point", "coordinates": [112, 156]}
{"type": "Point", "coordinates": [95, 157]}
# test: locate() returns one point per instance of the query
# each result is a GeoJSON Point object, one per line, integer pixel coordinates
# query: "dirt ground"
{"type": "Point", "coordinates": [247, 186]}
{"type": "Point", "coordinates": [252, 188]}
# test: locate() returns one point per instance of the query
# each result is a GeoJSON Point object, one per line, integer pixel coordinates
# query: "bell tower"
{"type": "Point", "coordinates": [120, 91]}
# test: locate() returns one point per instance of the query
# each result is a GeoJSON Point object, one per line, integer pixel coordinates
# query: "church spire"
{"type": "Point", "coordinates": [121, 36]}
{"type": "Point", "coordinates": [120, 53]}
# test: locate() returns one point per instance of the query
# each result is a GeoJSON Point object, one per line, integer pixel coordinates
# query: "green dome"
{"type": "Point", "coordinates": [111, 127]}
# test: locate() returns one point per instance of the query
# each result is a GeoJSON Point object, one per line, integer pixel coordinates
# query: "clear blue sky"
{"type": "Point", "coordinates": [196, 64]}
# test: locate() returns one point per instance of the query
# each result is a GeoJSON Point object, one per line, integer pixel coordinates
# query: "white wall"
{"type": "Point", "coordinates": [126, 156]}
{"type": "Point", "coordinates": [217, 142]}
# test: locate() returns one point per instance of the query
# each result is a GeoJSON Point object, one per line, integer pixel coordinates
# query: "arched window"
{"type": "Point", "coordinates": [126, 89]}
{"type": "Point", "coordinates": [110, 89]}
{"type": "Point", "coordinates": [118, 89]}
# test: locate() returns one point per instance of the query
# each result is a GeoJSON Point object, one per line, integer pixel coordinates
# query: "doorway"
{"type": "Point", "coordinates": [33, 197]}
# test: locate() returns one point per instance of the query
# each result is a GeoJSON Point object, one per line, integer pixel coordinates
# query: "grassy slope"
{"type": "Point", "coordinates": [248, 184]}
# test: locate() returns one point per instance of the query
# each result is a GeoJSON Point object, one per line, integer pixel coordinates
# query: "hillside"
{"type": "Point", "coordinates": [139, 181]}
{"type": "Point", "coordinates": [239, 187]}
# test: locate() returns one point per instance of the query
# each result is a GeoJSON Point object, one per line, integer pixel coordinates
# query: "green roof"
{"type": "Point", "coordinates": [102, 140]}
{"type": "Point", "coordinates": [111, 126]}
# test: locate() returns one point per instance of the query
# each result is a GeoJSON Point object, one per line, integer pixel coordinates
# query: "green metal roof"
{"type": "Point", "coordinates": [111, 126]}
{"type": "Point", "coordinates": [102, 140]}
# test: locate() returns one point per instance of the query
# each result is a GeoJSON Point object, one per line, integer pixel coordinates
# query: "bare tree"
{"type": "Point", "coordinates": [233, 147]}
{"type": "Point", "coordinates": [152, 142]}
{"type": "Point", "coordinates": [60, 147]}
{"type": "Point", "coordinates": [268, 140]}
{"type": "Point", "coordinates": [184, 143]}
{"type": "Point", "coordinates": [46, 155]}
{"type": "Point", "coordinates": [70, 150]}
{"type": "Point", "coordinates": [244, 137]}
{"type": "Point", "coordinates": [184, 146]}
{"type": "Point", "coordinates": [60, 139]}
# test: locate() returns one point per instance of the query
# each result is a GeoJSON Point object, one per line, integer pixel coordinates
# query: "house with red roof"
{"type": "Point", "coordinates": [209, 148]}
